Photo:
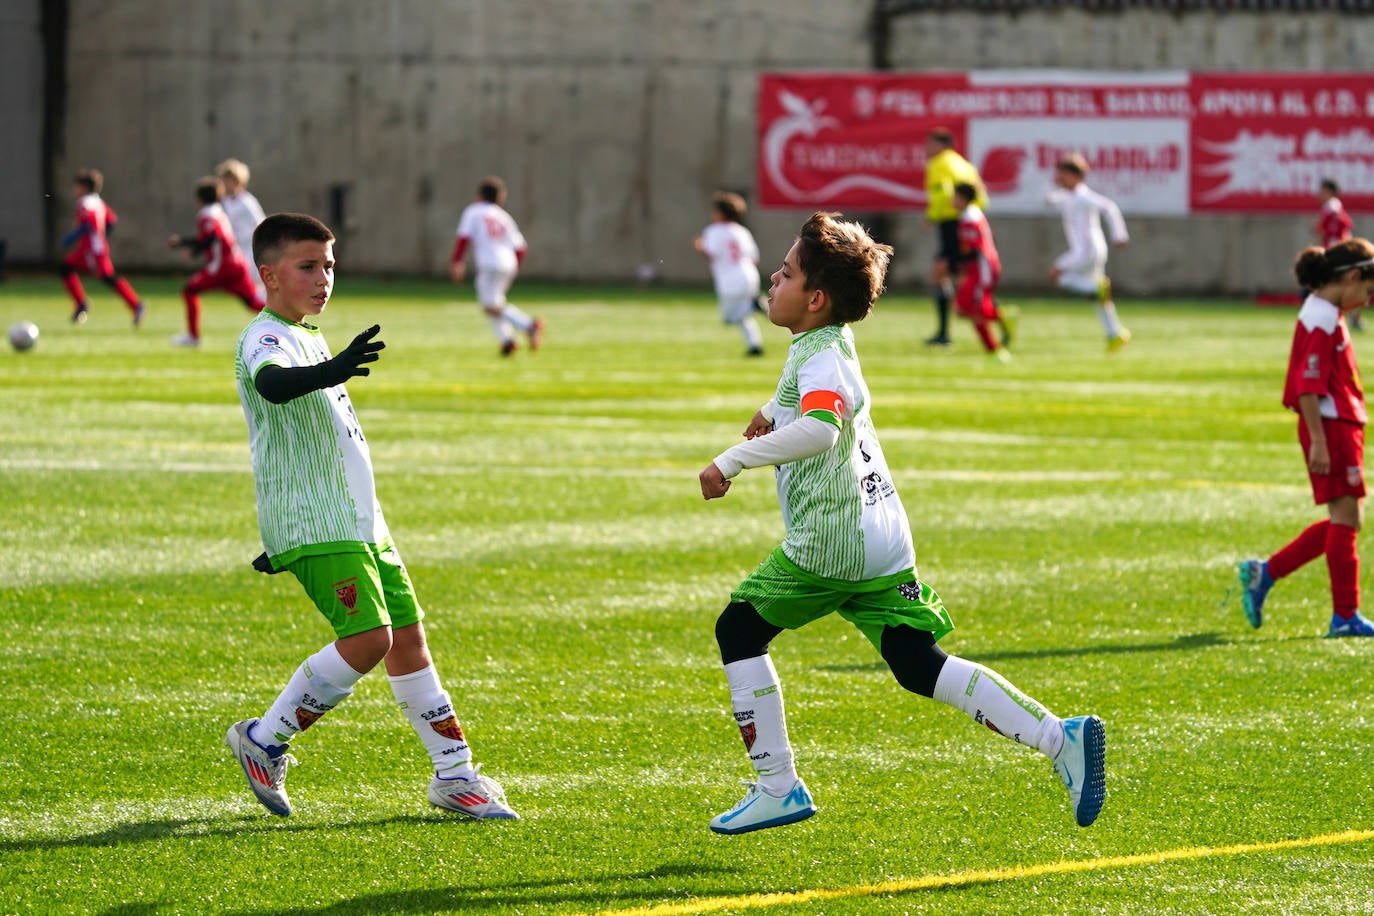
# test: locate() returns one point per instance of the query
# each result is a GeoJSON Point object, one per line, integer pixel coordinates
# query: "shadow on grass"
{"type": "Point", "coordinates": [1186, 643]}
{"type": "Point", "coordinates": [191, 828]}
{"type": "Point", "coordinates": [597, 890]}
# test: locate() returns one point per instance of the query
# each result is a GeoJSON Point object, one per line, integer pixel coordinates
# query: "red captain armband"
{"type": "Point", "coordinates": [823, 405]}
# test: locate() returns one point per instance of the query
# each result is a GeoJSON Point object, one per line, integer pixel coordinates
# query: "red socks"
{"type": "Point", "coordinates": [192, 313]}
{"type": "Point", "coordinates": [1303, 549]}
{"type": "Point", "coordinates": [1344, 565]}
{"type": "Point", "coordinates": [74, 288]}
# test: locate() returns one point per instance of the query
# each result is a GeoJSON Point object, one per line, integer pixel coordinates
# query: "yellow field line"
{"type": "Point", "coordinates": [959, 879]}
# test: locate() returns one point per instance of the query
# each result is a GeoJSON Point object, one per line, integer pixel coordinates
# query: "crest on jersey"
{"type": "Point", "coordinates": [270, 340]}
{"type": "Point", "coordinates": [347, 592]}
{"type": "Point", "coordinates": [449, 728]}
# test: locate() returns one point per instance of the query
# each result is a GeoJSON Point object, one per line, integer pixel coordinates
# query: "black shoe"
{"type": "Point", "coordinates": [754, 351]}
{"type": "Point", "coordinates": [939, 340]}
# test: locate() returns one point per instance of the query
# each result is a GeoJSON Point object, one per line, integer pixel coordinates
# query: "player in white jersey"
{"type": "Point", "coordinates": [319, 517]}
{"type": "Point", "coordinates": [498, 250]}
{"type": "Point", "coordinates": [729, 245]}
{"type": "Point", "coordinates": [242, 208]}
{"type": "Point", "coordinates": [1083, 268]}
{"type": "Point", "coordinates": [848, 544]}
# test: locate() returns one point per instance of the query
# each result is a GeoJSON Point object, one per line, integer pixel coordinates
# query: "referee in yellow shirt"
{"type": "Point", "coordinates": [945, 168]}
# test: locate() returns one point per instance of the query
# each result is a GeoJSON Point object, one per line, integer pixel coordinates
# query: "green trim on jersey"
{"type": "Point", "coordinates": [283, 560]}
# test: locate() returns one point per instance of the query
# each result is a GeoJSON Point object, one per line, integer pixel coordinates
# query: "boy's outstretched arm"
{"type": "Point", "coordinates": [806, 437]}
{"type": "Point", "coordinates": [279, 384]}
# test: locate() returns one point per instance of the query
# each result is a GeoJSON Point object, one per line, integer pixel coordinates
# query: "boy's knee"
{"type": "Point", "coordinates": [742, 633]}
{"type": "Point", "coordinates": [914, 658]}
{"type": "Point", "coordinates": [364, 651]}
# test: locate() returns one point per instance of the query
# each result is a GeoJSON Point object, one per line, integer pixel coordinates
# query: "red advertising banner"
{"type": "Point", "coordinates": [1167, 143]}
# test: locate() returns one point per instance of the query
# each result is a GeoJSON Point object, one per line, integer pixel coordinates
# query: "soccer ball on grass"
{"type": "Point", "coordinates": [23, 335]}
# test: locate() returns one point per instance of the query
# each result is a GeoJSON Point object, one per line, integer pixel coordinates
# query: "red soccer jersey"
{"type": "Point", "coordinates": [1334, 224]}
{"type": "Point", "coordinates": [1322, 362]}
{"type": "Point", "coordinates": [95, 216]}
{"type": "Point", "coordinates": [216, 238]}
{"type": "Point", "coordinates": [975, 238]}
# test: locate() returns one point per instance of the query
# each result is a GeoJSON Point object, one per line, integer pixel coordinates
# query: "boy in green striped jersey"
{"type": "Point", "coordinates": [319, 517]}
{"type": "Point", "coordinates": [848, 547]}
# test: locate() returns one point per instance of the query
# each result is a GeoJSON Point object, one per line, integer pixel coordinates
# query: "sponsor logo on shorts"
{"type": "Point", "coordinates": [449, 728]}
{"type": "Point", "coordinates": [911, 591]}
{"type": "Point", "coordinates": [750, 733]}
{"type": "Point", "coordinates": [347, 592]}
{"type": "Point", "coordinates": [1353, 475]}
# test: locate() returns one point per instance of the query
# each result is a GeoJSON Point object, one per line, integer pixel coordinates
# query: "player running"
{"type": "Point", "coordinates": [1083, 268]}
{"type": "Point", "coordinates": [225, 266]}
{"type": "Point", "coordinates": [729, 245]}
{"type": "Point", "coordinates": [848, 545]}
{"type": "Point", "coordinates": [498, 250]}
{"type": "Point", "coordinates": [90, 248]}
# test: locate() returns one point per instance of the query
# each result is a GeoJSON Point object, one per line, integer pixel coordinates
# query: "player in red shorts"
{"type": "Point", "coordinates": [1323, 388]}
{"type": "Point", "coordinates": [90, 250]}
{"type": "Point", "coordinates": [225, 267]}
{"type": "Point", "coordinates": [980, 270]}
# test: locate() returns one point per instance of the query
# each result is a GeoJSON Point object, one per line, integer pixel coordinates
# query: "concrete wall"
{"type": "Point", "coordinates": [21, 112]}
{"type": "Point", "coordinates": [612, 120]}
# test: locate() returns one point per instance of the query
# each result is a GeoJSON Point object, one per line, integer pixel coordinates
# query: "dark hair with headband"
{"type": "Point", "coordinates": [1317, 266]}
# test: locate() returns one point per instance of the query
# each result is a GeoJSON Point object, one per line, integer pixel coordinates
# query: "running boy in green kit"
{"type": "Point", "coordinates": [319, 518]}
{"type": "Point", "coordinates": [848, 545]}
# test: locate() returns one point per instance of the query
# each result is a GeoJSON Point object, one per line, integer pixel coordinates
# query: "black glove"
{"type": "Point", "coordinates": [263, 565]}
{"type": "Point", "coordinates": [350, 361]}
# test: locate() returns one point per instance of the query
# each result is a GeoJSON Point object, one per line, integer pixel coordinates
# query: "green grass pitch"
{"type": "Point", "coordinates": [1080, 514]}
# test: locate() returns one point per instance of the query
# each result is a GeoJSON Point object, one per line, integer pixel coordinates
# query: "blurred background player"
{"type": "Point", "coordinates": [1083, 268]}
{"type": "Point", "coordinates": [1323, 389]}
{"type": "Point", "coordinates": [945, 168]}
{"type": "Point", "coordinates": [90, 248]}
{"type": "Point", "coordinates": [729, 245]}
{"type": "Point", "coordinates": [498, 249]}
{"type": "Point", "coordinates": [1333, 226]}
{"type": "Point", "coordinates": [225, 266]}
{"type": "Point", "coordinates": [980, 272]}
{"type": "Point", "coordinates": [243, 210]}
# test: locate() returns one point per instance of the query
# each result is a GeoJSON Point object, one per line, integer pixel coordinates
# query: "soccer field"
{"type": "Point", "coordinates": [1080, 515]}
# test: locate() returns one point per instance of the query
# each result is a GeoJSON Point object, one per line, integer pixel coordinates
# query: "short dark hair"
{"type": "Point", "coordinates": [90, 179]}
{"type": "Point", "coordinates": [491, 189]}
{"type": "Point", "coordinates": [841, 259]}
{"type": "Point", "coordinates": [209, 189]}
{"type": "Point", "coordinates": [1317, 266]}
{"type": "Point", "coordinates": [966, 191]}
{"type": "Point", "coordinates": [1329, 184]}
{"type": "Point", "coordinates": [281, 229]}
{"type": "Point", "coordinates": [729, 205]}
{"type": "Point", "coordinates": [942, 135]}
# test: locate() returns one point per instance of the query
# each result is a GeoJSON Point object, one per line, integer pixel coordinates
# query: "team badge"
{"type": "Point", "coordinates": [1352, 475]}
{"type": "Point", "coordinates": [306, 717]}
{"type": "Point", "coordinates": [750, 733]}
{"type": "Point", "coordinates": [270, 340]}
{"type": "Point", "coordinates": [347, 592]}
{"type": "Point", "coordinates": [449, 728]}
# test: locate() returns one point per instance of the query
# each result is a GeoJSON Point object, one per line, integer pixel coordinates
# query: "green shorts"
{"type": "Point", "coordinates": [788, 596]}
{"type": "Point", "coordinates": [360, 590]}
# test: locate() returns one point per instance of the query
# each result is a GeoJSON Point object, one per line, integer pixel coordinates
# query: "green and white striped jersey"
{"type": "Point", "coordinates": [311, 464]}
{"type": "Point", "coordinates": [843, 516]}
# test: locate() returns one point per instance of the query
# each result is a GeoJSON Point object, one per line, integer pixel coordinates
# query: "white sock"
{"type": "Point", "coordinates": [988, 699]}
{"type": "Point", "coordinates": [1106, 312]}
{"type": "Point", "coordinates": [757, 699]}
{"type": "Point", "coordinates": [322, 682]}
{"type": "Point", "coordinates": [502, 329]}
{"type": "Point", "coordinates": [427, 706]}
{"type": "Point", "coordinates": [753, 338]}
{"type": "Point", "coordinates": [516, 317]}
